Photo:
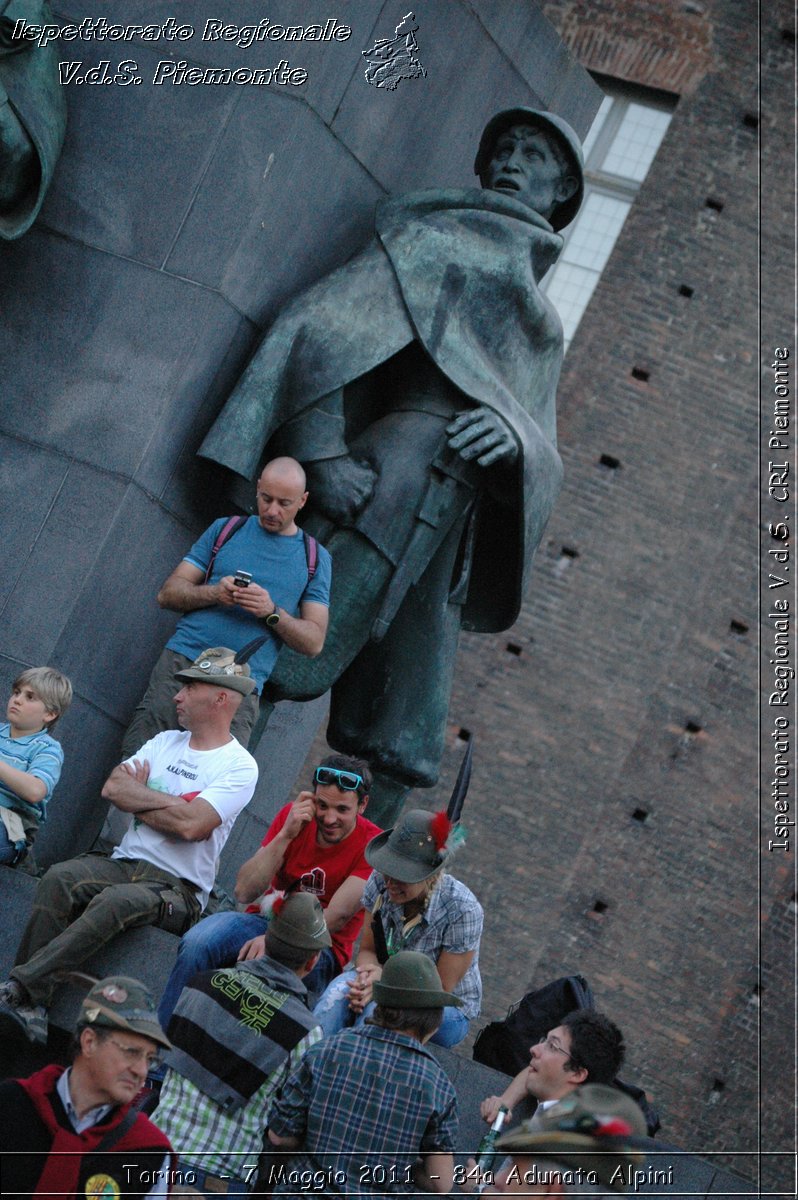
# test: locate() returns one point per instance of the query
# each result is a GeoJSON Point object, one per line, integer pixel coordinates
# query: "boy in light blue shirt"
{"type": "Point", "coordinates": [30, 758]}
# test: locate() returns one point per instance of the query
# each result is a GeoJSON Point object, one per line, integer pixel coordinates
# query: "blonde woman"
{"type": "Point", "coordinates": [412, 904]}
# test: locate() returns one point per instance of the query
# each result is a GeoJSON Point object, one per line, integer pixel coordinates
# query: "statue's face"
{"type": "Point", "coordinates": [524, 166]}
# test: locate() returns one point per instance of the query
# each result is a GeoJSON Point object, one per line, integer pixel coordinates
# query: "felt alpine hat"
{"type": "Point", "coordinates": [298, 921]}
{"type": "Point", "coordinates": [594, 1127]}
{"type": "Point", "coordinates": [410, 852]}
{"type": "Point", "coordinates": [221, 667]}
{"type": "Point", "coordinates": [119, 1002]}
{"type": "Point", "coordinates": [565, 138]}
{"type": "Point", "coordinates": [411, 980]}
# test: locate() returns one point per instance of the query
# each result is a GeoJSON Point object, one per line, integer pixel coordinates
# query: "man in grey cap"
{"type": "Point", "coordinates": [184, 789]}
{"type": "Point", "coordinates": [237, 1034]}
{"type": "Point", "coordinates": [585, 1142]}
{"type": "Point", "coordinates": [72, 1123]}
{"type": "Point", "coordinates": [377, 1091]}
{"type": "Point", "coordinates": [417, 386]}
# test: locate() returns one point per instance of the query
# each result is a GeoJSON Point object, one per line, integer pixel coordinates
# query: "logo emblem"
{"type": "Point", "coordinates": [393, 59]}
{"type": "Point", "coordinates": [100, 1186]}
{"type": "Point", "coordinates": [114, 994]}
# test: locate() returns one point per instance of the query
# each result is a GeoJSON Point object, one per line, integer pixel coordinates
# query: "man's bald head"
{"type": "Point", "coordinates": [287, 469]}
{"type": "Point", "coordinates": [280, 495]}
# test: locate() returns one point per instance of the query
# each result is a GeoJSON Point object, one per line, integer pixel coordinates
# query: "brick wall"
{"type": "Point", "coordinates": [613, 820]}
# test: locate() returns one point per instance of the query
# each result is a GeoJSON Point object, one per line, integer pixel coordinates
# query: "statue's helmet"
{"type": "Point", "coordinates": [563, 135]}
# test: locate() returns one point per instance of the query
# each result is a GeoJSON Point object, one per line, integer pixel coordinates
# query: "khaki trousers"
{"type": "Point", "coordinates": [82, 903]}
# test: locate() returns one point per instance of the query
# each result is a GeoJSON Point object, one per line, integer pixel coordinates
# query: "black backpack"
{"type": "Point", "coordinates": [231, 528]}
{"type": "Point", "coordinates": [504, 1045]}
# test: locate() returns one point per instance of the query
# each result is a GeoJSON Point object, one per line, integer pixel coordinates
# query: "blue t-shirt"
{"type": "Point", "coordinates": [37, 754]}
{"type": "Point", "coordinates": [278, 563]}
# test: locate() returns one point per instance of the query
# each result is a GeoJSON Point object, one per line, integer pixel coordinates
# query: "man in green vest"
{"type": "Point", "coordinates": [72, 1122]}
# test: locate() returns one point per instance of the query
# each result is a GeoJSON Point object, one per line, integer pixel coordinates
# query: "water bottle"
{"type": "Point", "coordinates": [487, 1146]}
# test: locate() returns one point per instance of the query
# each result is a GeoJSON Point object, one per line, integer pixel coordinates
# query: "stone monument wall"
{"type": "Point", "coordinates": [182, 215]}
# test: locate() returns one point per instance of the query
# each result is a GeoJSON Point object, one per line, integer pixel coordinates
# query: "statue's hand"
{"type": "Point", "coordinates": [481, 433]}
{"type": "Point", "coordinates": [340, 486]}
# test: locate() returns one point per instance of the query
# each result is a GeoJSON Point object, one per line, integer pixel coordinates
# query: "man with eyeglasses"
{"type": "Point", "coordinates": [76, 1127]}
{"type": "Point", "coordinates": [287, 595]}
{"type": "Point", "coordinates": [586, 1048]}
{"type": "Point", "coordinates": [587, 1143]}
{"type": "Point", "coordinates": [316, 844]}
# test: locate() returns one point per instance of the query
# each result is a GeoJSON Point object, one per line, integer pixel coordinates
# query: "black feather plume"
{"type": "Point", "coordinates": [460, 790]}
{"type": "Point", "coordinates": [247, 651]}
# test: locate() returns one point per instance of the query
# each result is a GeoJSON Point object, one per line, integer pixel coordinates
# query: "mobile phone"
{"type": "Point", "coordinates": [242, 578]}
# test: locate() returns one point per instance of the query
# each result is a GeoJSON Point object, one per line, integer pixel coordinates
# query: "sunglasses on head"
{"type": "Point", "coordinates": [347, 781]}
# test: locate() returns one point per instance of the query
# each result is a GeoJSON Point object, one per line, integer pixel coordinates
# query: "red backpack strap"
{"type": "Point", "coordinates": [231, 526]}
{"type": "Point", "coordinates": [311, 553]}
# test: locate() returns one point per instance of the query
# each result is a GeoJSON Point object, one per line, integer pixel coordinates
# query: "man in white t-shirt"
{"type": "Point", "coordinates": [184, 789]}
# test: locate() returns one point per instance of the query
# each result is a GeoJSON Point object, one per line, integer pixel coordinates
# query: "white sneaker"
{"type": "Point", "coordinates": [31, 1018]}
{"type": "Point", "coordinates": [12, 993]}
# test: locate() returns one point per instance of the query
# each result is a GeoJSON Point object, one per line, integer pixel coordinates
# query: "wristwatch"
{"type": "Point", "coordinates": [273, 618]}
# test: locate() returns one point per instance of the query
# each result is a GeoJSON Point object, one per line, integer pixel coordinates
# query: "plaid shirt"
{"type": "Point", "coordinates": [375, 1096]}
{"type": "Point", "coordinates": [218, 1142]}
{"type": "Point", "coordinates": [452, 921]}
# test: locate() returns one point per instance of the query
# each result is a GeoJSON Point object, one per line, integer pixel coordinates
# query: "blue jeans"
{"type": "Point", "coordinates": [215, 942]}
{"type": "Point", "coordinates": [10, 852]}
{"type": "Point", "coordinates": [334, 1014]}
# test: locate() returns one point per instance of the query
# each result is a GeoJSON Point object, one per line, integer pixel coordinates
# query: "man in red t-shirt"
{"type": "Point", "coordinates": [314, 845]}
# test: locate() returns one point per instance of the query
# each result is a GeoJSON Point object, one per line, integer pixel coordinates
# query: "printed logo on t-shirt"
{"type": "Point", "coordinates": [176, 769]}
{"type": "Point", "coordinates": [159, 787]}
{"type": "Point", "coordinates": [314, 881]}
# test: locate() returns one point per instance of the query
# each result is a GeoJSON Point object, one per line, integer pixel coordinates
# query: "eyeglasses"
{"type": "Point", "coordinates": [552, 1045]}
{"type": "Point", "coordinates": [134, 1054]}
{"type": "Point", "coordinates": [347, 781]}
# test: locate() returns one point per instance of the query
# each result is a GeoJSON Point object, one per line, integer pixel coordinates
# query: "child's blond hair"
{"type": "Point", "coordinates": [53, 689]}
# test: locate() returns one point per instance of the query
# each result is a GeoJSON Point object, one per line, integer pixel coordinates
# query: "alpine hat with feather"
{"type": "Point", "coordinates": [422, 843]}
{"type": "Point", "coordinates": [223, 668]}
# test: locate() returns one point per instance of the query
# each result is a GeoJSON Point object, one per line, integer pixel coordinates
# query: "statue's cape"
{"type": "Point", "coordinates": [29, 83]}
{"type": "Point", "coordinates": [457, 270]}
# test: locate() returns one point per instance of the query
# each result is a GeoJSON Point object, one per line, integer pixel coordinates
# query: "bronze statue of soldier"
{"type": "Point", "coordinates": [416, 384]}
{"type": "Point", "coordinates": [32, 116]}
